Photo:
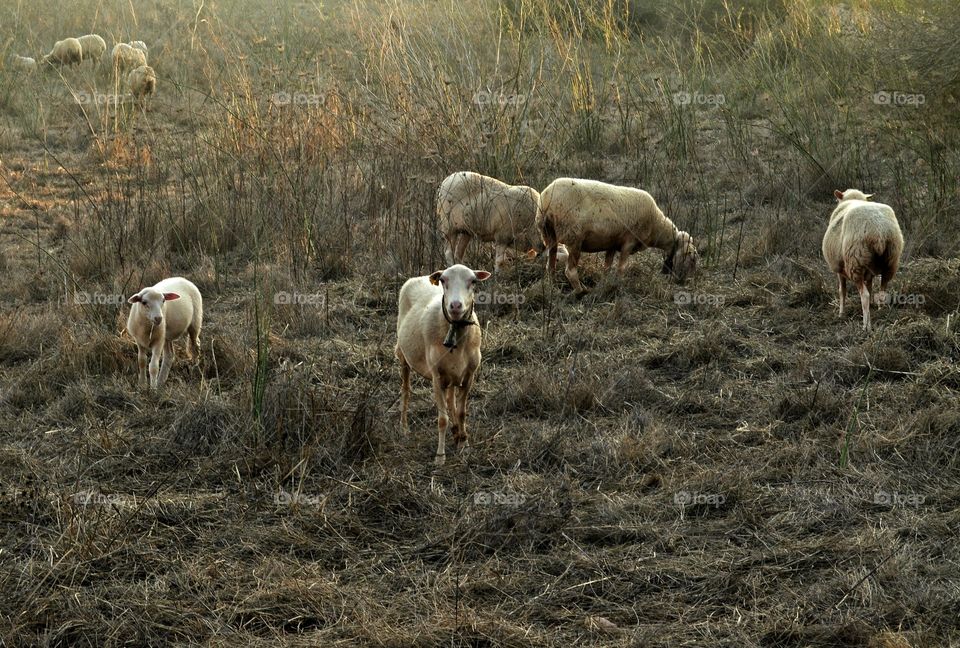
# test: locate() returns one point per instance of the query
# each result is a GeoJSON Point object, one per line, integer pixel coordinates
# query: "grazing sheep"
{"type": "Point", "coordinates": [93, 47]}
{"type": "Point", "coordinates": [126, 57]}
{"type": "Point", "coordinates": [591, 216]}
{"type": "Point", "coordinates": [472, 205]}
{"type": "Point", "coordinates": [142, 82]}
{"type": "Point", "coordinates": [862, 241]}
{"type": "Point", "coordinates": [140, 45]}
{"type": "Point", "coordinates": [431, 308]}
{"type": "Point", "coordinates": [24, 63]}
{"type": "Point", "coordinates": [65, 52]}
{"type": "Point", "coordinates": [158, 316]}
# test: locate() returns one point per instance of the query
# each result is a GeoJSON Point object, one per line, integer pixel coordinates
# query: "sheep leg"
{"type": "Point", "coordinates": [880, 296]}
{"type": "Point", "coordinates": [141, 366]}
{"type": "Point", "coordinates": [552, 258]}
{"type": "Point", "coordinates": [573, 258]}
{"type": "Point", "coordinates": [625, 252]}
{"type": "Point", "coordinates": [451, 398]}
{"type": "Point", "coordinates": [155, 352]}
{"type": "Point", "coordinates": [461, 439]}
{"type": "Point", "coordinates": [501, 254]}
{"type": "Point", "coordinates": [608, 259]}
{"type": "Point", "coordinates": [193, 346]}
{"type": "Point", "coordinates": [842, 284]}
{"type": "Point", "coordinates": [439, 399]}
{"type": "Point", "coordinates": [451, 239]}
{"type": "Point", "coordinates": [864, 289]}
{"type": "Point", "coordinates": [463, 240]}
{"type": "Point", "coordinates": [167, 362]}
{"type": "Point", "coordinates": [404, 392]}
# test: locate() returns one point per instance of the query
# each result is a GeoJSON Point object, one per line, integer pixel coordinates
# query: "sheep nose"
{"type": "Point", "coordinates": [158, 319]}
{"type": "Point", "coordinates": [456, 306]}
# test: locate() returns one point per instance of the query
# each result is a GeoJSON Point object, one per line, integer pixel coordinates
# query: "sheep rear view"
{"type": "Point", "coordinates": [592, 216]}
{"type": "Point", "coordinates": [159, 315]}
{"type": "Point", "coordinates": [428, 307]}
{"type": "Point", "coordinates": [471, 205]}
{"type": "Point", "coordinates": [93, 47]}
{"type": "Point", "coordinates": [142, 82]}
{"type": "Point", "coordinates": [862, 241]}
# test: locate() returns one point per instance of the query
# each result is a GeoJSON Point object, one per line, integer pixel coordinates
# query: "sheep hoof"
{"type": "Point", "coordinates": [439, 460]}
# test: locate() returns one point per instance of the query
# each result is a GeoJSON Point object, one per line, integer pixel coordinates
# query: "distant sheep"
{"type": "Point", "coordinates": [470, 205]}
{"type": "Point", "coordinates": [159, 315]}
{"type": "Point", "coordinates": [140, 45]}
{"type": "Point", "coordinates": [65, 52]}
{"type": "Point", "coordinates": [591, 216]}
{"type": "Point", "coordinates": [438, 336]}
{"type": "Point", "coordinates": [93, 47]}
{"type": "Point", "coordinates": [142, 82]}
{"type": "Point", "coordinates": [126, 57]}
{"type": "Point", "coordinates": [862, 241]}
{"type": "Point", "coordinates": [23, 63]}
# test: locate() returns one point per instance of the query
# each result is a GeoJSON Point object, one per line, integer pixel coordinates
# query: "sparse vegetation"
{"type": "Point", "coordinates": [725, 463]}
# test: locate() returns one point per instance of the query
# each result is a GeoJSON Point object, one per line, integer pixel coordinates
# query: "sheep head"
{"type": "Point", "coordinates": [151, 301]}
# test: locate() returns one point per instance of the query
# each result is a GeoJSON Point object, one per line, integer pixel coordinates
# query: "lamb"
{"type": "Point", "coordinates": [862, 241]}
{"type": "Point", "coordinates": [429, 307]}
{"type": "Point", "coordinates": [159, 315]}
{"type": "Point", "coordinates": [592, 216]}
{"type": "Point", "coordinates": [24, 63]}
{"type": "Point", "coordinates": [126, 57]}
{"type": "Point", "coordinates": [65, 52]}
{"type": "Point", "coordinates": [142, 82]}
{"type": "Point", "coordinates": [93, 47]}
{"type": "Point", "coordinates": [472, 205]}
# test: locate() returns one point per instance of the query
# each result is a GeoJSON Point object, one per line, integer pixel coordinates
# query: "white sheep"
{"type": "Point", "coordinates": [140, 45]}
{"type": "Point", "coordinates": [159, 315]}
{"type": "Point", "coordinates": [470, 205]}
{"type": "Point", "coordinates": [65, 52]}
{"type": "Point", "coordinates": [438, 336]}
{"type": "Point", "coordinates": [592, 216]}
{"type": "Point", "coordinates": [24, 63]}
{"type": "Point", "coordinates": [126, 57]}
{"type": "Point", "coordinates": [862, 241]}
{"type": "Point", "coordinates": [93, 47]}
{"type": "Point", "coordinates": [142, 82]}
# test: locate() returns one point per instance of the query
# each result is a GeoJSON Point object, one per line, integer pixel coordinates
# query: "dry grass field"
{"type": "Point", "coordinates": [722, 463]}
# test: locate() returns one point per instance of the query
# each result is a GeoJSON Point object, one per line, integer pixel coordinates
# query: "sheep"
{"type": "Point", "coordinates": [438, 336]}
{"type": "Point", "coordinates": [24, 63]}
{"type": "Point", "coordinates": [140, 45]}
{"type": "Point", "coordinates": [142, 82]}
{"type": "Point", "coordinates": [126, 57]}
{"type": "Point", "coordinates": [159, 315]}
{"type": "Point", "coordinates": [592, 216]}
{"type": "Point", "coordinates": [472, 205]}
{"type": "Point", "coordinates": [65, 52]}
{"type": "Point", "coordinates": [862, 241]}
{"type": "Point", "coordinates": [93, 47]}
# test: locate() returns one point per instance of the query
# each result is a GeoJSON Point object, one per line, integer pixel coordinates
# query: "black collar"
{"type": "Point", "coordinates": [451, 340]}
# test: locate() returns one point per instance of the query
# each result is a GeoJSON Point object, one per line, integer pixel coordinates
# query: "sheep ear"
{"type": "Point", "coordinates": [435, 277]}
{"type": "Point", "coordinates": [482, 275]}
{"type": "Point", "coordinates": [171, 296]}
{"type": "Point", "coordinates": [838, 194]}
{"type": "Point", "coordinates": [868, 196]}
{"type": "Point", "coordinates": [135, 299]}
